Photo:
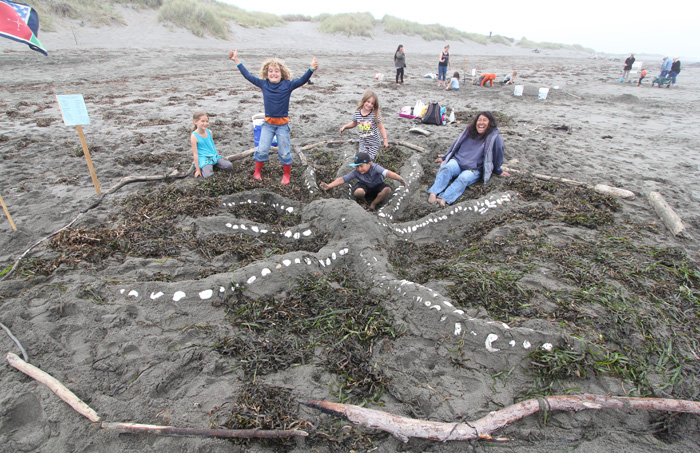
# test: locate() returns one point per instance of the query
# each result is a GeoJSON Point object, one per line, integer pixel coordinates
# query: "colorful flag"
{"type": "Point", "coordinates": [20, 22]}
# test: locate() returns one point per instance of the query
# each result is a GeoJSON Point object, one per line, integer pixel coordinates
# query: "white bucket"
{"type": "Point", "coordinates": [258, 119]}
{"type": "Point", "coordinates": [543, 93]}
{"type": "Point", "coordinates": [518, 90]}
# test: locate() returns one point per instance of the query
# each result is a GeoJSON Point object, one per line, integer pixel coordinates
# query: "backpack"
{"type": "Point", "coordinates": [432, 114]}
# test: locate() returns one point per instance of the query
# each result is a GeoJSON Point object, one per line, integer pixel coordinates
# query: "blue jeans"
{"type": "Point", "coordinates": [442, 72]}
{"type": "Point", "coordinates": [672, 75]}
{"type": "Point", "coordinates": [267, 132]}
{"type": "Point", "coordinates": [664, 73]}
{"type": "Point", "coordinates": [448, 171]}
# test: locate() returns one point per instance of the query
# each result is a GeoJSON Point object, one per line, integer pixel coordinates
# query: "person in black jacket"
{"type": "Point", "coordinates": [628, 67]}
{"type": "Point", "coordinates": [675, 70]}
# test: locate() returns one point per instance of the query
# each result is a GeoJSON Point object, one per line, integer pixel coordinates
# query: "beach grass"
{"type": "Point", "coordinates": [433, 32]}
{"type": "Point", "coordinates": [348, 24]}
{"type": "Point", "coordinates": [211, 17]}
{"type": "Point", "coordinates": [524, 42]}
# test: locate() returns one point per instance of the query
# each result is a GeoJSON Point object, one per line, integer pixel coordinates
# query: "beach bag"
{"type": "Point", "coordinates": [432, 114]}
{"type": "Point", "coordinates": [418, 109]}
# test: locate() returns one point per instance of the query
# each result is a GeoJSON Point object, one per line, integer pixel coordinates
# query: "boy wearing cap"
{"type": "Point", "coordinates": [370, 180]}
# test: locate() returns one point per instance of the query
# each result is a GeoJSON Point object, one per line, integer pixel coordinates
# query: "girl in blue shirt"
{"type": "Point", "coordinates": [203, 149]}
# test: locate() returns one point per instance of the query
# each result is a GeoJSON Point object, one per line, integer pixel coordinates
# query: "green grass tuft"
{"type": "Point", "coordinates": [348, 24]}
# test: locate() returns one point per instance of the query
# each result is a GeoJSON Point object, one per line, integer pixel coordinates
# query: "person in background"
{"type": "Point", "coordinates": [643, 74]}
{"type": "Point", "coordinates": [454, 82]}
{"type": "Point", "coordinates": [665, 67]}
{"type": "Point", "coordinates": [484, 79]}
{"type": "Point", "coordinates": [675, 70]}
{"type": "Point", "coordinates": [627, 68]}
{"type": "Point", "coordinates": [399, 63]}
{"type": "Point", "coordinates": [443, 64]}
{"type": "Point", "coordinates": [509, 78]}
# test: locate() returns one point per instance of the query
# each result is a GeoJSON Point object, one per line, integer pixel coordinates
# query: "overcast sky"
{"type": "Point", "coordinates": [613, 26]}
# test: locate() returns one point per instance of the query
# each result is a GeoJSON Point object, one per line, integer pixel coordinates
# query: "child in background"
{"type": "Point", "coordinates": [277, 89]}
{"type": "Point", "coordinates": [509, 79]}
{"type": "Point", "coordinates": [454, 82]}
{"type": "Point", "coordinates": [203, 149]}
{"type": "Point", "coordinates": [644, 74]}
{"type": "Point", "coordinates": [484, 79]}
{"type": "Point", "coordinates": [370, 176]}
{"type": "Point", "coordinates": [370, 124]}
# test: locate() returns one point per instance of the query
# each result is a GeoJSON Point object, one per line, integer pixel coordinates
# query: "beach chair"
{"type": "Point", "coordinates": [661, 81]}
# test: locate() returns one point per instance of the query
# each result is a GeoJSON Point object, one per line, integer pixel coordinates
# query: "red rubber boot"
{"type": "Point", "coordinates": [287, 174]}
{"type": "Point", "coordinates": [258, 169]}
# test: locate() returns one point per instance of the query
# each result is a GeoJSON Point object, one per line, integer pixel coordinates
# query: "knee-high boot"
{"type": "Point", "coordinates": [258, 169]}
{"type": "Point", "coordinates": [287, 174]}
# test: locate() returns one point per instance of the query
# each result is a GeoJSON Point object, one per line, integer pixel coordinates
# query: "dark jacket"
{"type": "Point", "coordinates": [493, 153]}
{"type": "Point", "coordinates": [676, 67]}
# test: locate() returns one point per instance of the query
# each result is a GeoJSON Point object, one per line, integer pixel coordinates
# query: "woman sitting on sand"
{"type": "Point", "coordinates": [476, 154]}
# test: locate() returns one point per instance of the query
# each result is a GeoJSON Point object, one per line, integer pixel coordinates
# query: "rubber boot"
{"type": "Point", "coordinates": [258, 169]}
{"type": "Point", "coordinates": [287, 174]}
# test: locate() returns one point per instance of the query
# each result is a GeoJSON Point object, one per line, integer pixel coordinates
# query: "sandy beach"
{"type": "Point", "coordinates": [227, 302]}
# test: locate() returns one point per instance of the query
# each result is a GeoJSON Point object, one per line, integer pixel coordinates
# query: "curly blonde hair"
{"type": "Point", "coordinates": [367, 96]}
{"type": "Point", "coordinates": [274, 61]}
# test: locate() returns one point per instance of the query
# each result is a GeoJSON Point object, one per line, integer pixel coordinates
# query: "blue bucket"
{"type": "Point", "coordinates": [257, 127]}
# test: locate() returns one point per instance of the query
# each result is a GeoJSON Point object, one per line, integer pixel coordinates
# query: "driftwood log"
{"type": "Point", "coordinates": [136, 428]}
{"type": "Point", "coordinates": [672, 220]}
{"type": "Point", "coordinates": [405, 428]}
{"type": "Point", "coordinates": [615, 191]}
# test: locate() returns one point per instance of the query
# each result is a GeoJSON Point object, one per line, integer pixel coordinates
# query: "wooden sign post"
{"type": "Point", "coordinates": [7, 213]}
{"type": "Point", "coordinates": [75, 113]}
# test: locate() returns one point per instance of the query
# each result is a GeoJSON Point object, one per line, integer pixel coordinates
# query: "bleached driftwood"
{"type": "Point", "coordinates": [405, 428]}
{"type": "Point", "coordinates": [137, 428]}
{"type": "Point", "coordinates": [672, 220]}
{"type": "Point", "coordinates": [615, 191]}
{"type": "Point", "coordinates": [325, 142]}
{"type": "Point", "coordinates": [175, 174]}
{"type": "Point", "coordinates": [420, 131]}
{"type": "Point", "coordinates": [410, 146]}
{"type": "Point", "coordinates": [13, 338]}
{"type": "Point", "coordinates": [86, 411]}
{"type": "Point", "coordinates": [54, 385]}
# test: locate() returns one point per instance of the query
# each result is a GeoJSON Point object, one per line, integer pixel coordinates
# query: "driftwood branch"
{"type": "Point", "coordinates": [404, 428]}
{"type": "Point", "coordinates": [136, 428]}
{"type": "Point", "coordinates": [55, 386]}
{"type": "Point", "coordinates": [13, 338]}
